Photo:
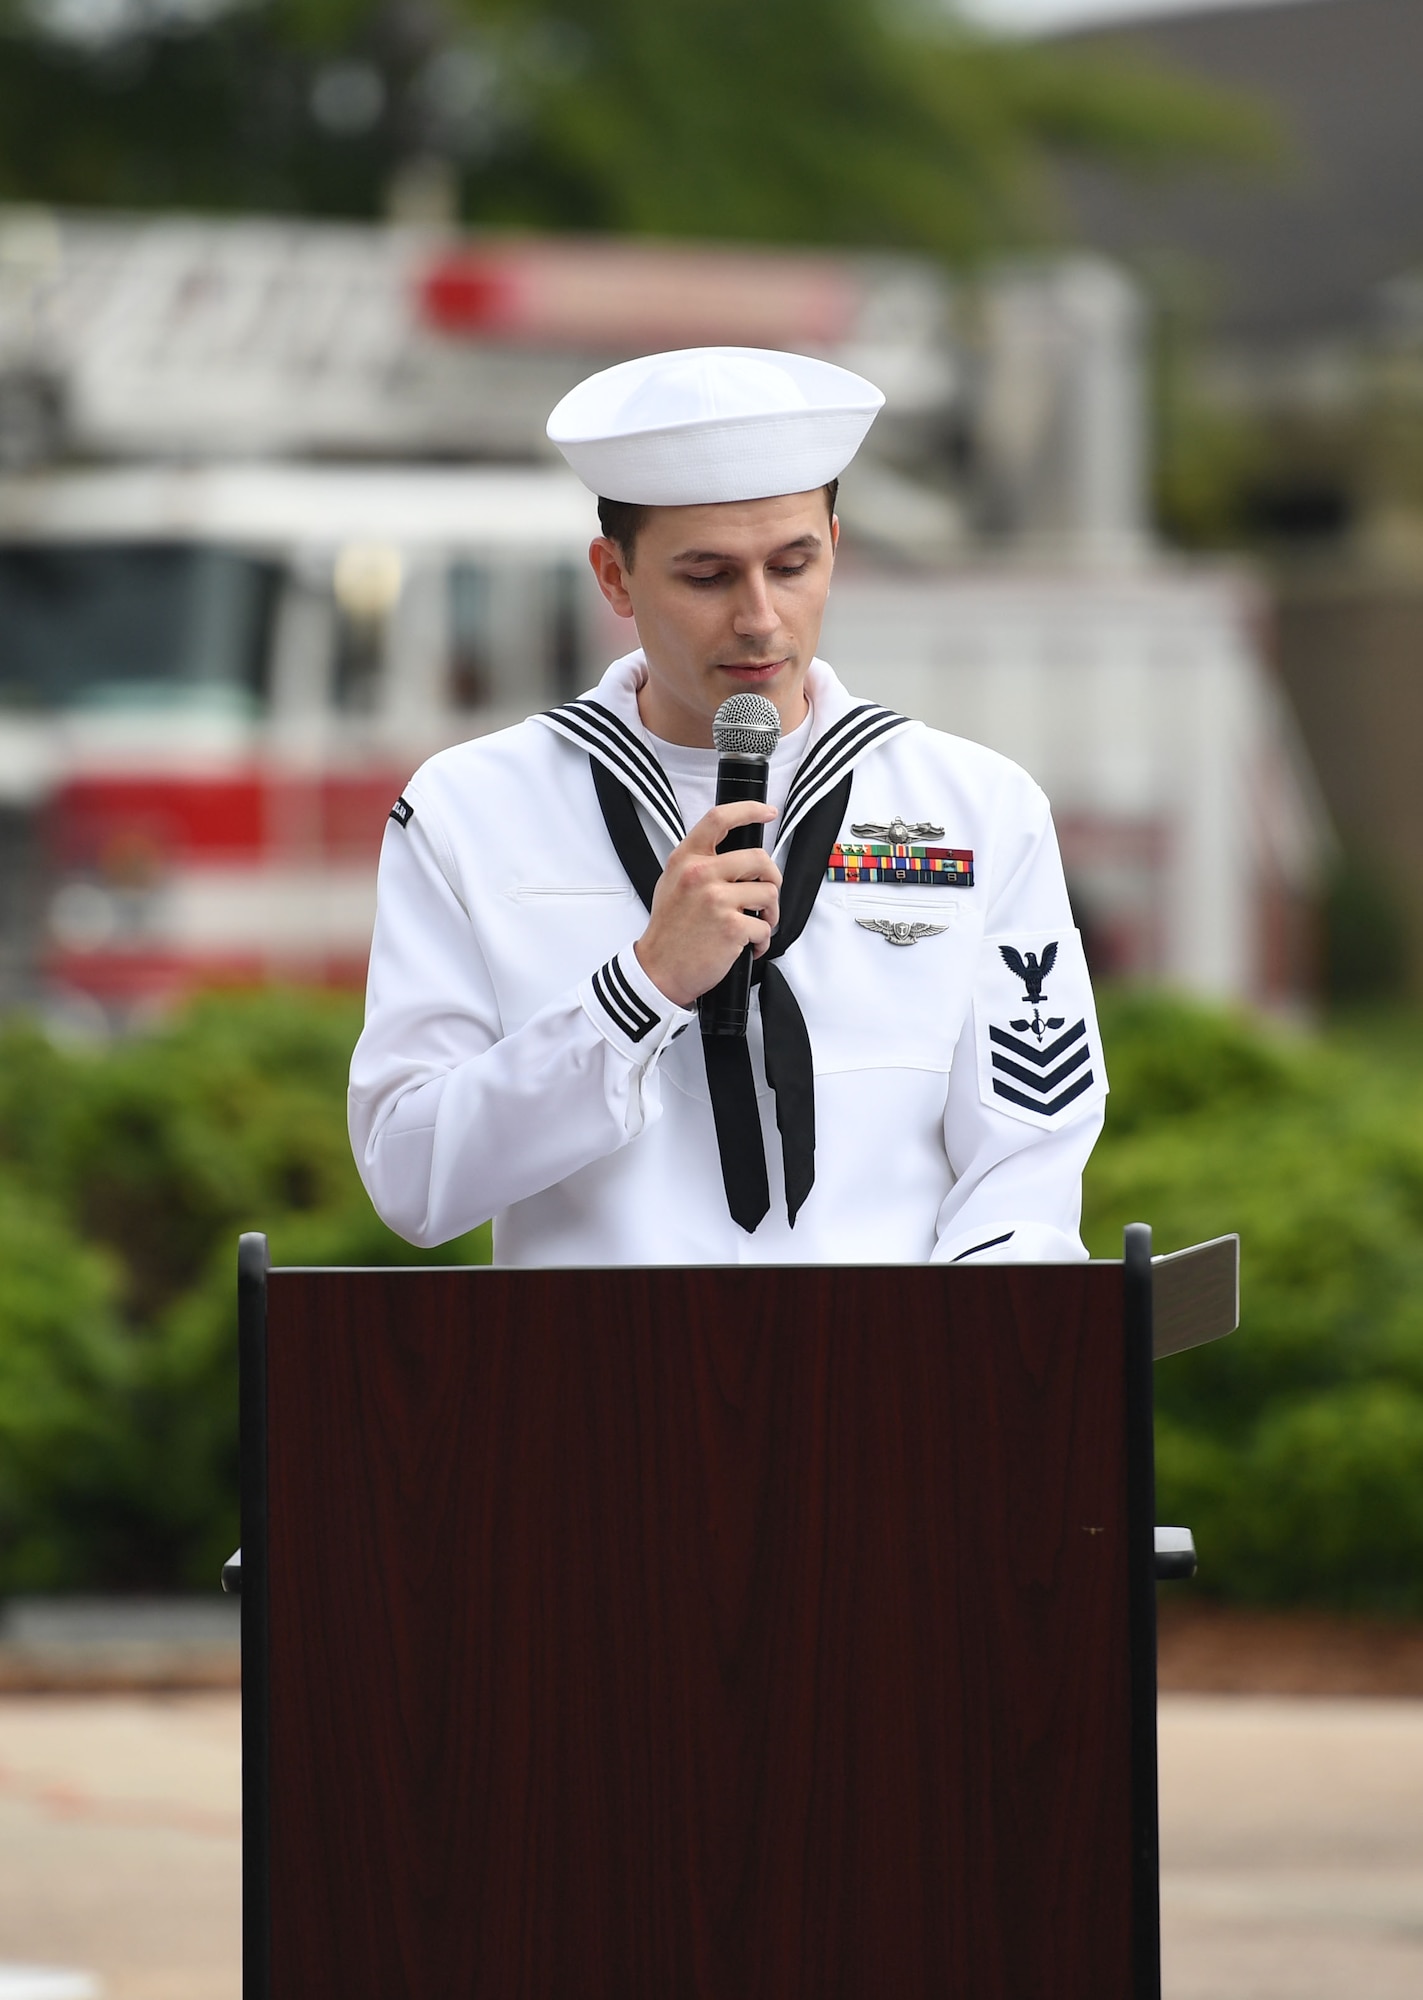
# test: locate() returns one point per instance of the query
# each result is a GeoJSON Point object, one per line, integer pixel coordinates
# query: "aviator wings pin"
{"type": "Point", "coordinates": [899, 933]}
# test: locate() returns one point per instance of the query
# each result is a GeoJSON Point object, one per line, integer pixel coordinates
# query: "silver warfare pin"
{"type": "Point", "coordinates": [897, 830]}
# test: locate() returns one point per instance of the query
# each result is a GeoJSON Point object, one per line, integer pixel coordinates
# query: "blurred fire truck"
{"type": "Point", "coordinates": [278, 520]}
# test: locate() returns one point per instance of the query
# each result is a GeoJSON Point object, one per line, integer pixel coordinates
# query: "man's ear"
{"type": "Point", "coordinates": [834, 534]}
{"type": "Point", "coordinates": [605, 558]}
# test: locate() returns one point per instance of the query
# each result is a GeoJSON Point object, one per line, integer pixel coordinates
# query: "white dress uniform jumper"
{"type": "Point", "coordinates": [922, 1080]}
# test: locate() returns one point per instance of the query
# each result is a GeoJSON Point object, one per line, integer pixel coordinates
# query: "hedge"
{"type": "Point", "coordinates": [1294, 1449]}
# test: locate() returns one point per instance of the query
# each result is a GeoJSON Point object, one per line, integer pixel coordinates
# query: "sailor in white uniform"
{"type": "Point", "coordinates": [922, 1078]}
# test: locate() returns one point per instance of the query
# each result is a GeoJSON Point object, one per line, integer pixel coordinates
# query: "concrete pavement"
{"type": "Point", "coordinates": [1292, 1838]}
{"type": "Point", "coordinates": [1292, 1848]}
{"type": "Point", "coordinates": [119, 1841]}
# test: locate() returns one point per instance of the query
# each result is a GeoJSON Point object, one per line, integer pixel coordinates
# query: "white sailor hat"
{"type": "Point", "coordinates": [706, 424]}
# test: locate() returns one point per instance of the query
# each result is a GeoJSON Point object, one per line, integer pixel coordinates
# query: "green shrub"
{"type": "Point", "coordinates": [1281, 1446]}
{"type": "Point", "coordinates": [65, 1376]}
{"type": "Point", "coordinates": [126, 1175]}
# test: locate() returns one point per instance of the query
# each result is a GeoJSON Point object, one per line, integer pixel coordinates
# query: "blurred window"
{"type": "Point", "coordinates": [132, 625]}
{"type": "Point", "coordinates": [569, 677]}
{"type": "Point", "coordinates": [366, 582]}
{"type": "Point", "coordinates": [472, 646]}
{"type": "Point", "coordinates": [516, 639]}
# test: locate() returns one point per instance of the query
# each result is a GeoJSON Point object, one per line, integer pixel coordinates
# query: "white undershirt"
{"type": "Point", "coordinates": [693, 772]}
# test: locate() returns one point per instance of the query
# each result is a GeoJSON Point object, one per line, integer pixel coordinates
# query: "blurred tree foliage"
{"type": "Point", "coordinates": [869, 122]}
{"type": "Point", "coordinates": [1366, 931]}
{"type": "Point", "coordinates": [1294, 1449]}
{"type": "Point", "coordinates": [1208, 457]}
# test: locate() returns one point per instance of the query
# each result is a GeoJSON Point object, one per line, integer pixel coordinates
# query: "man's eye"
{"type": "Point", "coordinates": [792, 569]}
{"type": "Point", "coordinates": [701, 581]}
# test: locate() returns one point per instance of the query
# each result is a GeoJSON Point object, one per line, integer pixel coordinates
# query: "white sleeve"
{"type": "Point", "coordinates": [1028, 1084]}
{"type": "Point", "coordinates": [451, 1120]}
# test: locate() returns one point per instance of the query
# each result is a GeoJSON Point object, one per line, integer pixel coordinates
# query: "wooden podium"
{"type": "Point", "coordinates": [726, 1634]}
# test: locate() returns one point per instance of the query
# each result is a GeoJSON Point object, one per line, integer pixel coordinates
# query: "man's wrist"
{"type": "Point", "coordinates": [660, 977]}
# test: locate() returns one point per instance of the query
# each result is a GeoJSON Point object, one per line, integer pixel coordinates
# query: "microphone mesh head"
{"type": "Point", "coordinates": [746, 725]}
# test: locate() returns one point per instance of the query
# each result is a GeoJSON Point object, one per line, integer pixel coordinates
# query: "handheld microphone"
{"type": "Point", "coordinates": [745, 730]}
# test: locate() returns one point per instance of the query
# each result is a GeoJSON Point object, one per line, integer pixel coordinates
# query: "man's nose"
{"type": "Point", "coordinates": [755, 614]}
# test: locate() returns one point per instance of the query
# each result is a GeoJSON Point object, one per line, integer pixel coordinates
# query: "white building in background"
{"type": "Point", "coordinates": [1140, 699]}
{"type": "Point", "coordinates": [222, 648]}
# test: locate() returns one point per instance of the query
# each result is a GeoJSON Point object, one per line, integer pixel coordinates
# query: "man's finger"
{"type": "Point", "coordinates": [713, 827]}
{"type": "Point", "coordinates": [755, 895]}
{"type": "Point", "coordinates": [748, 864]}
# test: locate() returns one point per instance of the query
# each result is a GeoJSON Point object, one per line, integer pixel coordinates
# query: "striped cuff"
{"type": "Point", "coordinates": [629, 1010]}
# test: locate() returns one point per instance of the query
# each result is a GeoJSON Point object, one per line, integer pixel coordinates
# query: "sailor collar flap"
{"type": "Point", "coordinates": [606, 737]}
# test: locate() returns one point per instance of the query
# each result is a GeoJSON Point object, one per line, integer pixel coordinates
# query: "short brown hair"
{"type": "Point", "coordinates": [622, 520]}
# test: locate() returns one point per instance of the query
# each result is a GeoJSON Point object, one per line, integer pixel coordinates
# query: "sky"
{"type": "Point", "coordinates": [1030, 14]}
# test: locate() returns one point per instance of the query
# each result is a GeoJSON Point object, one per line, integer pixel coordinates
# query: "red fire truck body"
{"type": "Point", "coordinates": [219, 680]}
{"type": "Point", "coordinates": [167, 881]}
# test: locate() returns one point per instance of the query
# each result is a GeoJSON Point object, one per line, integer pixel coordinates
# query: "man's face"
{"type": "Point", "coordinates": [726, 598]}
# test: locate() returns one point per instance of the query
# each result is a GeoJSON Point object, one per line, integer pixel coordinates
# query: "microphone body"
{"type": "Point", "coordinates": [746, 731]}
{"type": "Point", "coordinates": [724, 1009]}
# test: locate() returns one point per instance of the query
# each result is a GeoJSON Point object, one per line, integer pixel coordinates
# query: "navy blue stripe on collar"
{"type": "Point", "coordinates": [847, 729]}
{"type": "Point", "coordinates": [610, 740]}
{"type": "Point", "coordinates": [842, 745]}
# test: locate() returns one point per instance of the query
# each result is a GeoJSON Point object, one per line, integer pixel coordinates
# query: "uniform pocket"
{"type": "Point", "coordinates": [890, 995]}
{"type": "Point", "coordinates": [540, 892]}
{"type": "Point", "coordinates": [931, 905]}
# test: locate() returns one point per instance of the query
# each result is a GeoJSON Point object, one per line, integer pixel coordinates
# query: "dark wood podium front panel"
{"type": "Point", "coordinates": [698, 1635]}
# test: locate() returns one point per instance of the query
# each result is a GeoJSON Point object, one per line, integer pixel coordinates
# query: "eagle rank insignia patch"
{"type": "Point", "coordinates": [1039, 1057]}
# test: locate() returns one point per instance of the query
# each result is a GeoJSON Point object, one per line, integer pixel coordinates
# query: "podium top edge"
{"type": "Point", "coordinates": [1212, 1243]}
{"type": "Point", "coordinates": [1215, 1250]}
{"type": "Point", "coordinates": [553, 1270]}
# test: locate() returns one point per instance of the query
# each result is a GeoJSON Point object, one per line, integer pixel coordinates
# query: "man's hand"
{"type": "Point", "coordinates": [708, 907]}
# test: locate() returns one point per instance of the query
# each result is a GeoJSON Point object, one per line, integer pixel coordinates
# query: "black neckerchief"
{"type": "Point", "coordinates": [789, 1069]}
